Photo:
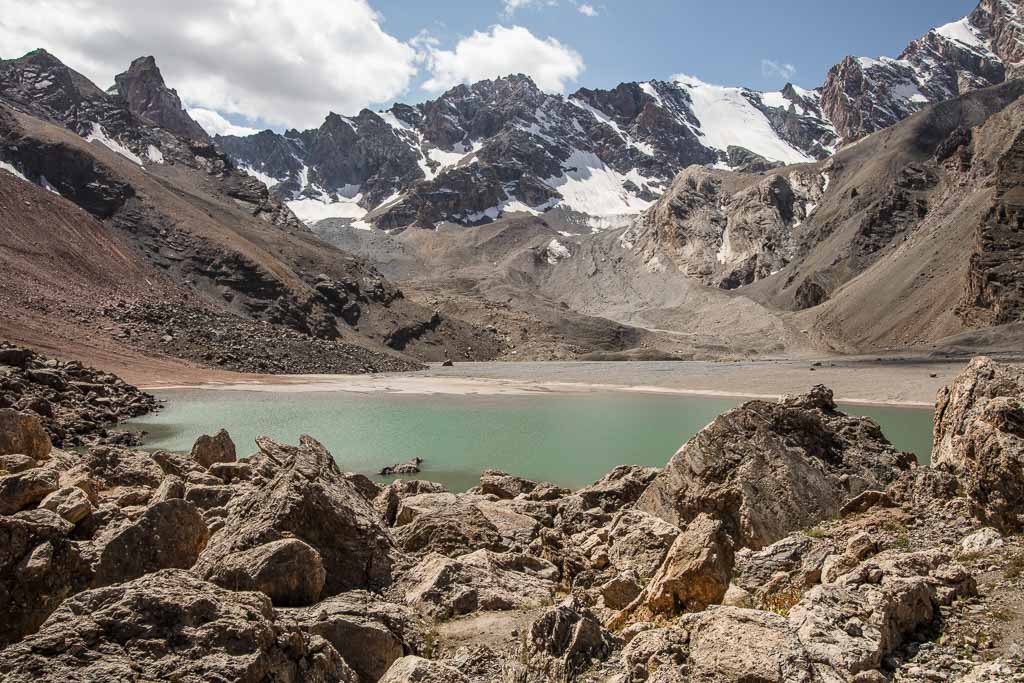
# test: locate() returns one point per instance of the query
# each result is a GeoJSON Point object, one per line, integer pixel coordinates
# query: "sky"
{"type": "Point", "coordinates": [242, 65]}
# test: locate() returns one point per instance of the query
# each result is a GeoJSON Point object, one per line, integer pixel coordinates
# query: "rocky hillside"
{"type": "Point", "coordinates": [600, 156]}
{"type": "Point", "coordinates": [786, 541]}
{"type": "Point", "coordinates": [163, 239]}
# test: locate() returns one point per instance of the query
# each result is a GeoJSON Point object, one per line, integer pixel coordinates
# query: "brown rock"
{"type": "Point", "coordinates": [217, 448]}
{"type": "Point", "coordinates": [309, 499]}
{"type": "Point", "coordinates": [288, 571]}
{"type": "Point", "coordinates": [169, 534]}
{"type": "Point", "coordinates": [23, 433]}
{"type": "Point", "coordinates": [565, 639]}
{"type": "Point", "coordinates": [70, 503]}
{"type": "Point", "coordinates": [170, 625]}
{"type": "Point", "coordinates": [418, 670]}
{"type": "Point", "coordinates": [25, 489]}
{"type": "Point", "coordinates": [979, 436]}
{"type": "Point", "coordinates": [12, 464]}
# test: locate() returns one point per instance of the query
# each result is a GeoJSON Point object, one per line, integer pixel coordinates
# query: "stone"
{"type": "Point", "coordinates": [208, 450]}
{"type": "Point", "coordinates": [452, 531]}
{"type": "Point", "coordinates": [170, 625]}
{"type": "Point", "coordinates": [979, 436]}
{"type": "Point", "coordinates": [168, 534]}
{"type": "Point", "coordinates": [981, 541]}
{"type": "Point", "coordinates": [443, 587]}
{"type": "Point", "coordinates": [620, 590]}
{"type": "Point", "coordinates": [310, 500]}
{"type": "Point", "coordinates": [206, 496]}
{"type": "Point", "coordinates": [39, 567]}
{"type": "Point", "coordinates": [71, 503]}
{"type": "Point", "coordinates": [638, 541]}
{"type": "Point", "coordinates": [368, 632]}
{"type": "Point", "coordinates": [114, 466]}
{"type": "Point", "coordinates": [694, 575]}
{"type": "Point", "coordinates": [388, 500]}
{"type": "Point", "coordinates": [414, 669]}
{"type": "Point", "coordinates": [863, 502]}
{"type": "Point", "coordinates": [12, 464]}
{"type": "Point", "coordinates": [288, 571]}
{"type": "Point", "coordinates": [769, 469]}
{"type": "Point", "coordinates": [231, 472]}
{"type": "Point", "coordinates": [410, 467]}
{"type": "Point", "coordinates": [26, 488]}
{"type": "Point", "coordinates": [23, 434]}
{"type": "Point", "coordinates": [171, 487]}
{"type": "Point", "coordinates": [565, 639]}
{"type": "Point", "coordinates": [502, 484]}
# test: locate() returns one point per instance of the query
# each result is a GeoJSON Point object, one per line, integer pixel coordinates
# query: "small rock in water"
{"type": "Point", "coordinates": [410, 467]}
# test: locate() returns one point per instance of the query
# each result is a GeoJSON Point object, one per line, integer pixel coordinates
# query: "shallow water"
{"type": "Point", "coordinates": [569, 439]}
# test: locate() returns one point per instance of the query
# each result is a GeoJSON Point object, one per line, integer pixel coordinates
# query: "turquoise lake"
{"type": "Point", "coordinates": [569, 439]}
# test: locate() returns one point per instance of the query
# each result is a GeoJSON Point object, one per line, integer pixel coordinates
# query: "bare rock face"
{"type": "Point", "coordinates": [39, 567]}
{"type": "Point", "coordinates": [169, 534]}
{"type": "Point", "coordinates": [502, 484]}
{"type": "Point", "coordinates": [22, 433]}
{"type": "Point", "coordinates": [308, 499]}
{"type": "Point", "coordinates": [694, 574]}
{"type": "Point", "coordinates": [414, 669]}
{"type": "Point", "coordinates": [25, 489]}
{"type": "Point", "coordinates": [638, 541]}
{"type": "Point", "coordinates": [368, 632]}
{"type": "Point", "coordinates": [566, 638]}
{"type": "Point", "coordinates": [288, 571]}
{"type": "Point", "coordinates": [979, 436]}
{"type": "Point", "coordinates": [170, 625]}
{"type": "Point", "coordinates": [213, 449]}
{"type": "Point", "coordinates": [388, 499]}
{"type": "Point", "coordinates": [768, 469]}
{"type": "Point", "coordinates": [143, 90]}
{"type": "Point", "coordinates": [443, 587]}
{"type": "Point", "coordinates": [848, 626]}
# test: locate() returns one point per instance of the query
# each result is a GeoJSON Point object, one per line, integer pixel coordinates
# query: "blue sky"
{"type": "Point", "coordinates": [287, 63]}
{"type": "Point", "coordinates": [721, 41]}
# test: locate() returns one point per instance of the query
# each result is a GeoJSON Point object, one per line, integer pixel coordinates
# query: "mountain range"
{"type": "Point", "coordinates": [484, 150]}
{"type": "Point", "coordinates": [672, 219]}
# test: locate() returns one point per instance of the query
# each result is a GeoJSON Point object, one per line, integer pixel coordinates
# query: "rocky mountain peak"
{"type": "Point", "coordinates": [143, 89]}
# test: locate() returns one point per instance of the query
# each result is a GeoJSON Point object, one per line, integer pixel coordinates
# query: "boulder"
{"type": "Point", "coordinates": [112, 467]}
{"type": "Point", "coordinates": [12, 464]}
{"type": "Point", "coordinates": [231, 472]}
{"type": "Point", "coordinates": [39, 567]}
{"type": "Point", "coordinates": [170, 625]}
{"type": "Point", "coordinates": [71, 503]}
{"type": "Point", "coordinates": [622, 486]}
{"type": "Point", "coordinates": [694, 575]}
{"type": "Point", "coordinates": [217, 448]}
{"type": "Point", "coordinates": [776, 577]}
{"type": "Point", "coordinates": [442, 587]}
{"type": "Point", "coordinates": [453, 531]}
{"type": "Point", "coordinates": [368, 632]}
{"type": "Point", "coordinates": [638, 541]}
{"type": "Point", "coordinates": [205, 496]}
{"type": "Point", "coordinates": [982, 541]}
{"type": "Point", "coordinates": [288, 571]}
{"type": "Point", "coordinates": [979, 436]}
{"type": "Point", "coordinates": [23, 434]}
{"type": "Point", "coordinates": [414, 669]}
{"type": "Point", "coordinates": [310, 500]}
{"type": "Point", "coordinates": [168, 534]}
{"type": "Point", "coordinates": [171, 487]}
{"type": "Point", "coordinates": [502, 485]}
{"type": "Point", "coordinates": [849, 626]}
{"type": "Point", "coordinates": [769, 469]}
{"type": "Point", "coordinates": [388, 500]}
{"type": "Point", "coordinates": [565, 639]}
{"type": "Point", "coordinates": [25, 489]}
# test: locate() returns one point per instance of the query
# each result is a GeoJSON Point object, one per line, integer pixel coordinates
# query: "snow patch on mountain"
{"type": "Point", "coordinates": [267, 180]}
{"type": "Point", "coordinates": [727, 117]}
{"type": "Point", "coordinates": [5, 166]}
{"type": "Point", "coordinates": [99, 135]}
{"type": "Point", "coordinates": [589, 186]}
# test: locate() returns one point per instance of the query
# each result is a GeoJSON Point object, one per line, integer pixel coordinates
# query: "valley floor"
{"type": "Point", "coordinates": [900, 380]}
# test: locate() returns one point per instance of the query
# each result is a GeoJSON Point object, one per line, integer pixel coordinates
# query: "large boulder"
{"type": "Point", "coordinates": [24, 434]}
{"type": "Point", "coordinates": [208, 450]}
{"type": "Point", "coordinates": [170, 625]}
{"type": "Point", "coordinates": [288, 571]}
{"type": "Point", "coordinates": [368, 632]}
{"type": "Point", "coordinates": [26, 488]}
{"type": "Point", "coordinates": [979, 436]}
{"type": "Point", "coordinates": [413, 669]}
{"type": "Point", "coordinates": [390, 497]}
{"type": "Point", "coordinates": [39, 567]}
{"type": "Point", "coordinates": [566, 639]}
{"type": "Point", "coordinates": [442, 587]}
{"type": "Point", "coordinates": [638, 541]}
{"type": "Point", "coordinates": [694, 574]}
{"type": "Point", "coordinates": [168, 534]}
{"type": "Point", "coordinates": [310, 500]}
{"type": "Point", "coordinates": [768, 469]}
{"type": "Point", "coordinates": [114, 468]}
{"type": "Point", "coordinates": [70, 502]}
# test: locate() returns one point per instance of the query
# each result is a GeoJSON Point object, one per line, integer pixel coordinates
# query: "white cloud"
{"type": "Point", "coordinates": [284, 62]}
{"type": "Point", "coordinates": [502, 51]}
{"type": "Point", "coordinates": [771, 69]}
{"type": "Point", "coordinates": [215, 124]}
{"type": "Point", "coordinates": [510, 6]}
{"type": "Point", "coordinates": [587, 10]}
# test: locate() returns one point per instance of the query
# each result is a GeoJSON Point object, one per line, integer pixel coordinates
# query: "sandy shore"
{"type": "Point", "coordinates": [904, 381]}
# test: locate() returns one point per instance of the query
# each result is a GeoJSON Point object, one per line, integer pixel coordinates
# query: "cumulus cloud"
{"type": "Point", "coordinates": [772, 69]}
{"type": "Point", "coordinates": [283, 62]}
{"type": "Point", "coordinates": [500, 52]}
{"type": "Point", "coordinates": [586, 10]}
{"type": "Point", "coordinates": [215, 124]}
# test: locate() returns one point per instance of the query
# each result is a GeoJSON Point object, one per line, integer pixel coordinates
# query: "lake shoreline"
{"type": "Point", "coordinates": [900, 382]}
